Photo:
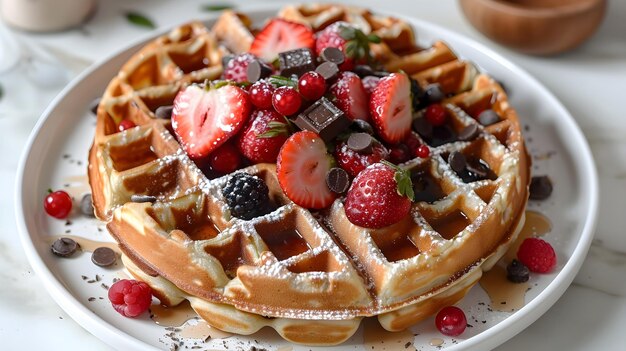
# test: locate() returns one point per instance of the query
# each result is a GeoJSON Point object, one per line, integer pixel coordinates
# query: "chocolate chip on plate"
{"type": "Point", "coordinates": [103, 256]}
{"type": "Point", "coordinates": [457, 161]}
{"type": "Point", "coordinates": [86, 206]}
{"type": "Point", "coordinates": [488, 117]}
{"type": "Point", "coordinates": [469, 133]}
{"type": "Point", "coordinates": [328, 70]}
{"type": "Point", "coordinates": [337, 180]}
{"type": "Point", "coordinates": [257, 70]}
{"type": "Point", "coordinates": [540, 188]}
{"type": "Point", "coordinates": [434, 93]}
{"type": "Point", "coordinates": [360, 142]}
{"type": "Point", "coordinates": [334, 55]}
{"type": "Point", "coordinates": [164, 112]}
{"type": "Point", "coordinates": [142, 198]}
{"type": "Point", "coordinates": [517, 272]}
{"type": "Point", "coordinates": [64, 247]}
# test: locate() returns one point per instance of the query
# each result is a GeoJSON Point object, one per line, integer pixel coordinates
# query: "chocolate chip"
{"type": "Point", "coordinates": [422, 127]}
{"type": "Point", "coordinates": [517, 272]}
{"type": "Point", "coordinates": [103, 257]}
{"type": "Point", "coordinates": [298, 62]}
{"type": "Point", "coordinates": [142, 198]}
{"type": "Point", "coordinates": [488, 117]}
{"type": "Point", "coordinates": [93, 106]}
{"type": "Point", "coordinates": [457, 161]}
{"type": "Point", "coordinates": [366, 70]}
{"type": "Point", "coordinates": [86, 206]}
{"type": "Point", "coordinates": [64, 247]}
{"type": "Point", "coordinates": [478, 169]}
{"type": "Point", "coordinates": [540, 188]}
{"type": "Point", "coordinates": [226, 59]}
{"type": "Point", "coordinates": [164, 112]}
{"type": "Point", "coordinates": [328, 70]}
{"type": "Point", "coordinates": [323, 118]}
{"type": "Point", "coordinates": [434, 93]}
{"type": "Point", "coordinates": [337, 180]}
{"type": "Point", "coordinates": [469, 133]}
{"type": "Point", "coordinates": [333, 55]}
{"type": "Point", "coordinates": [257, 70]}
{"type": "Point", "coordinates": [362, 126]}
{"type": "Point", "coordinates": [360, 142]}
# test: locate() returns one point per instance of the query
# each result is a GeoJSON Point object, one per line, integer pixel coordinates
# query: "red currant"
{"type": "Point", "coordinates": [436, 114]}
{"type": "Point", "coordinates": [126, 124]}
{"type": "Point", "coordinates": [58, 204]}
{"type": "Point", "coordinates": [312, 85]}
{"type": "Point", "coordinates": [451, 321]}
{"type": "Point", "coordinates": [286, 100]}
{"type": "Point", "coordinates": [225, 159]}
{"type": "Point", "coordinates": [422, 151]}
{"type": "Point", "coordinates": [261, 94]}
{"type": "Point", "coordinates": [399, 154]}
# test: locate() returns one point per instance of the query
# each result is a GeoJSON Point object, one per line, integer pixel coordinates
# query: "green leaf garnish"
{"type": "Point", "coordinates": [140, 20]}
{"type": "Point", "coordinates": [358, 43]}
{"type": "Point", "coordinates": [274, 129]}
{"type": "Point", "coordinates": [280, 81]}
{"type": "Point", "coordinates": [216, 7]}
{"type": "Point", "coordinates": [403, 180]}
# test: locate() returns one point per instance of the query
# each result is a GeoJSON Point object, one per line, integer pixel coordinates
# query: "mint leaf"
{"type": "Point", "coordinates": [280, 81]}
{"type": "Point", "coordinates": [403, 181]}
{"type": "Point", "coordinates": [216, 7]}
{"type": "Point", "coordinates": [140, 20]}
{"type": "Point", "coordinates": [274, 129]}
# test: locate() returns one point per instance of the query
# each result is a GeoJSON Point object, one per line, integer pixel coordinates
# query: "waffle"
{"type": "Point", "coordinates": [312, 276]}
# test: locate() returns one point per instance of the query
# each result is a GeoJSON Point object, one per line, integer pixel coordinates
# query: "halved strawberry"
{"type": "Point", "coordinates": [390, 107]}
{"type": "Point", "coordinates": [204, 118]}
{"type": "Point", "coordinates": [350, 96]}
{"type": "Point", "coordinates": [280, 35]}
{"type": "Point", "coordinates": [301, 168]}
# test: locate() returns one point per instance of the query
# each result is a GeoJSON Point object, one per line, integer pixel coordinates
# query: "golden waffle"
{"type": "Point", "coordinates": [312, 276]}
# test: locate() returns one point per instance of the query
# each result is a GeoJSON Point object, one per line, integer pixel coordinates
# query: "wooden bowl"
{"type": "Point", "coordinates": [540, 27]}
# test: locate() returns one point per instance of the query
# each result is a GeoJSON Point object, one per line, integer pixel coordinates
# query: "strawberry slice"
{"type": "Point", "coordinates": [350, 96]}
{"type": "Point", "coordinates": [204, 118]}
{"type": "Point", "coordinates": [278, 36]}
{"type": "Point", "coordinates": [390, 107]}
{"type": "Point", "coordinates": [301, 168]}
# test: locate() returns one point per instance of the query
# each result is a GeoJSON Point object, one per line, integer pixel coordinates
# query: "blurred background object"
{"type": "Point", "coordinates": [538, 27]}
{"type": "Point", "coordinates": [46, 15]}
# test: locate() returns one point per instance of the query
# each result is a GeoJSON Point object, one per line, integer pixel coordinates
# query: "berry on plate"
{"type": "Point", "coordinates": [312, 85]}
{"type": "Point", "coordinates": [354, 162]}
{"type": "Point", "coordinates": [350, 96]}
{"type": "Point", "coordinates": [206, 117]}
{"type": "Point", "coordinates": [390, 107]}
{"type": "Point", "coordinates": [379, 196]}
{"type": "Point", "coordinates": [130, 297]}
{"type": "Point", "coordinates": [263, 136]}
{"type": "Point", "coordinates": [237, 68]}
{"type": "Point", "coordinates": [261, 94]}
{"type": "Point", "coordinates": [451, 321]}
{"type": "Point", "coordinates": [58, 204]}
{"type": "Point", "coordinates": [302, 167]}
{"type": "Point", "coordinates": [280, 35]}
{"type": "Point", "coordinates": [225, 159]}
{"type": "Point", "coordinates": [352, 41]}
{"type": "Point", "coordinates": [286, 100]}
{"type": "Point", "coordinates": [537, 254]}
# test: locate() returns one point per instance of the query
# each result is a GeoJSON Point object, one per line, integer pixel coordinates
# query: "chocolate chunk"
{"type": "Point", "coordinates": [323, 118]}
{"type": "Point", "coordinates": [362, 126]}
{"type": "Point", "coordinates": [298, 62]}
{"type": "Point", "coordinates": [469, 133]}
{"type": "Point", "coordinates": [328, 70]}
{"type": "Point", "coordinates": [422, 127]}
{"type": "Point", "coordinates": [226, 59]}
{"type": "Point", "coordinates": [257, 70]}
{"type": "Point", "coordinates": [337, 180]}
{"type": "Point", "coordinates": [103, 257]}
{"type": "Point", "coordinates": [93, 106]}
{"type": "Point", "coordinates": [333, 55]}
{"type": "Point", "coordinates": [457, 161]}
{"type": "Point", "coordinates": [441, 135]}
{"type": "Point", "coordinates": [488, 117]}
{"type": "Point", "coordinates": [86, 206]}
{"type": "Point", "coordinates": [164, 112]}
{"type": "Point", "coordinates": [360, 142]}
{"type": "Point", "coordinates": [64, 247]}
{"type": "Point", "coordinates": [426, 188]}
{"type": "Point", "coordinates": [517, 272]}
{"type": "Point", "coordinates": [478, 169]}
{"type": "Point", "coordinates": [540, 188]}
{"type": "Point", "coordinates": [366, 70]}
{"type": "Point", "coordinates": [142, 198]}
{"type": "Point", "coordinates": [434, 93]}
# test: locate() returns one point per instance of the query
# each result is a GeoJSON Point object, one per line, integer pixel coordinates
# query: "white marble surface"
{"type": "Point", "coordinates": [590, 81]}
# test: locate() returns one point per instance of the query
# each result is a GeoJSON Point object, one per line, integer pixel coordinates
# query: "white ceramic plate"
{"type": "Point", "coordinates": [56, 158]}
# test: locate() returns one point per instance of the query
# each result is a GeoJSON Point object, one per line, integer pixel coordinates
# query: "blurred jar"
{"type": "Point", "coordinates": [46, 15]}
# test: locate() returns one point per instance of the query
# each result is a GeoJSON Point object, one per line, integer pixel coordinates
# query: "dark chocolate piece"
{"type": "Point", "coordinates": [362, 126]}
{"type": "Point", "coordinates": [540, 188]}
{"type": "Point", "coordinates": [164, 112]}
{"type": "Point", "coordinates": [86, 206]}
{"type": "Point", "coordinates": [366, 70]}
{"type": "Point", "coordinates": [103, 256]}
{"type": "Point", "coordinates": [298, 62]}
{"type": "Point", "coordinates": [328, 70]}
{"type": "Point", "coordinates": [337, 180]}
{"type": "Point", "coordinates": [469, 133]}
{"type": "Point", "coordinates": [433, 93]}
{"type": "Point", "coordinates": [333, 55]}
{"type": "Point", "coordinates": [323, 118]}
{"type": "Point", "coordinates": [422, 127]}
{"type": "Point", "coordinates": [488, 117]}
{"type": "Point", "coordinates": [457, 161]}
{"type": "Point", "coordinates": [64, 247]}
{"type": "Point", "coordinates": [360, 142]}
{"type": "Point", "coordinates": [142, 198]}
{"type": "Point", "coordinates": [257, 70]}
{"type": "Point", "coordinates": [517, 272]}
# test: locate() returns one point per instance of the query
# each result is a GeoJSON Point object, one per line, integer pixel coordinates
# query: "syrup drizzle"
{"type": "Point", "coordinates": [174, 316]}
{"type": "Point", "coordinates": [202, 330]}
{"type": "Point", "coordinates": [377, 338]}
{"type": "Point", "coordinates": [436, 342]}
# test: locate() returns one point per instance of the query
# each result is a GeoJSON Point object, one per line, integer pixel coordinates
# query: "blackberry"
{"type": "Point", "coordinates": [517, 272]}
{"type": "Point", "coordinates": [247, 196]}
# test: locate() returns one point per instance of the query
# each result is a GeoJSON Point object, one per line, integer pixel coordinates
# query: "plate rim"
{"type": "Point", "coordinates": [491, 338]}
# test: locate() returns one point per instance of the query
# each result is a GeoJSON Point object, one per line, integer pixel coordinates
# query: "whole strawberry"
{"type": "Point", "coordinates": [352, 41]}
{"type": "Point", "coordinates": [263, 136]}
{"type": "Point", "coordinates": [379, 196]}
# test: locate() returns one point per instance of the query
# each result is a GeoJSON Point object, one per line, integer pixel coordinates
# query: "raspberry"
{"type": "Point", "coordinates": [247, 196]}
{"type": "Point", "coordinates": [130, 297]}
{"type": "Point", "coordinates": [237, 68]}
{"type": "Point", "coordinates": [537, 254]}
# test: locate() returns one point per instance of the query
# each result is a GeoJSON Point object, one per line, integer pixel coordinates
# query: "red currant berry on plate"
{"type": "Point", "coordinates": [130, 297]}
{"type": "Point", "coordinates": [58, 204]}
{"type": "Point", "coordinates": [312, 85]}
{"type": "Point", "coordinates": [436, 114]}
{"type": "Point", "coordinates": [261, 94]}
{"type": "Point", "coordinates": [286, 101]}
{"type": "Point", "coordinates": [225, 159]}
{"type": "Point", "coordinates": [422, 151]}
{"type": "Point", "coordinates": [126, 124]}
{"type": "Point", "coordinates": [451, 321]}
{"type": "Point", "coordinates": [537, 254]}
